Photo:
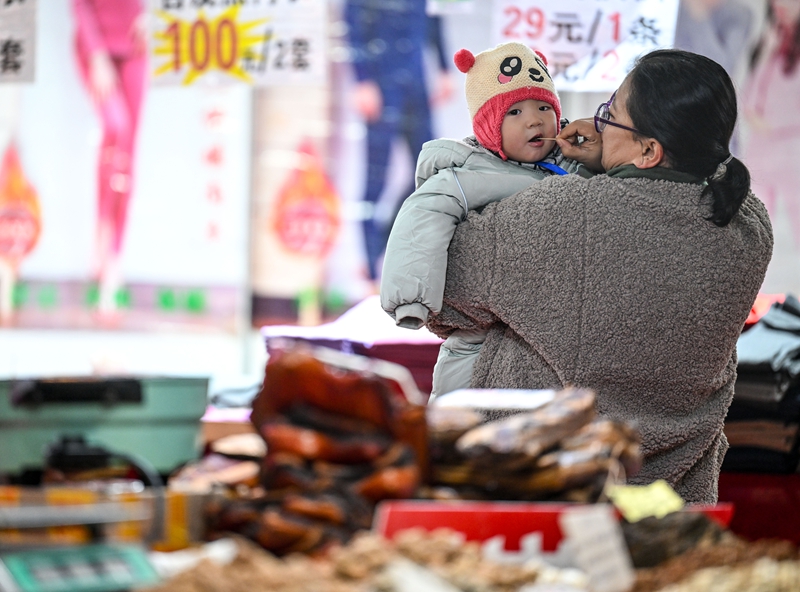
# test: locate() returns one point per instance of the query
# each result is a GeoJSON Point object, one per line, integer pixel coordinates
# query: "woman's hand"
{"type": "Point", "coordinates": [102, 76]}
{"type": "Point", "coordinates": [580, 141]}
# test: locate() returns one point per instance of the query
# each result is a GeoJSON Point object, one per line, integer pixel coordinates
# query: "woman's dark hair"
{"type": "Point", "coordinates": [688, 103]}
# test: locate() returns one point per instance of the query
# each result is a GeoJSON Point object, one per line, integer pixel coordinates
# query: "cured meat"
{"type": "Point", "coordinates": [524, 437]}
{"type": "Point", "coordinates": [314, 445]}
{"type": "Point", "coordinates": [293, 376]}
{"type": "Point", "coordinates": [389, 483]}
{"type": "Point", "coordinates": [339, 437]}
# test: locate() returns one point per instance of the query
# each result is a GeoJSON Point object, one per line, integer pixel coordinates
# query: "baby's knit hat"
{"type": "Point", "coordinates": [496, 79]}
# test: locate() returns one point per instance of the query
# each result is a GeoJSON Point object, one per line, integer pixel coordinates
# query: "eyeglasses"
{"type": "Point", "coordinates": [601, 118]}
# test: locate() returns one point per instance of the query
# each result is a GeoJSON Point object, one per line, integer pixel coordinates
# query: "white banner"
{"type": "Point", "coordinates": [280, 42]}
{"type": "Point", "coordinates": [17, 40]}
{"type": "Point", "coordinates": [590, 44]}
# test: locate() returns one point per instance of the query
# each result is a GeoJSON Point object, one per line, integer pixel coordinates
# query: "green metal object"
{"type": "Point", "coordinates": [89, 568]}
{"type": "Point", "coordinates": [157, 418]}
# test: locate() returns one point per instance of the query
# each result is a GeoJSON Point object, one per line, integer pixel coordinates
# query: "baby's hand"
{"type": "Point", "coordinates": [580, 141]}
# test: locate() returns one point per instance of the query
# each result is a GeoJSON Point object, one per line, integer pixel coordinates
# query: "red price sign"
{"type": "Point", "coordinates": [523, 23]}
{"type": "Point", "coordinates": [307, 228]}
{"type": "Point", "coordinates": [19, 231]}
{"type": "Point", "coordinates": [307, 216]}
{"type": "Point", "coordinates": [590, 44]}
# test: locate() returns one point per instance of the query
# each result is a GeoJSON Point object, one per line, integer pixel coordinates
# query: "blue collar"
{"type": "Point", "coordinates": [554, 168]}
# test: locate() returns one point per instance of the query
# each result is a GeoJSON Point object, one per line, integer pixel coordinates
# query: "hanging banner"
{"type": "Point", "coordinates": [280, 42]}
{"type": "Point", "coordinates": [17, 40]}
{"type": "Point", "coordinates": [590, 44]}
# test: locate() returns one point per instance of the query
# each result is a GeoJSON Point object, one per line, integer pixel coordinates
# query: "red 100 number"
{"type": "Point", "coordinates": [207, 40]}
{"type": "Point", "coordinates": [531, 22]}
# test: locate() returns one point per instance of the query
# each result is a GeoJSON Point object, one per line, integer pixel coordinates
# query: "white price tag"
{"type": "Point", "coordinates": [595, 537]}
{"type": "Point", "coordinates": [590, 44]}
{"type": "Point", "coordinates": [280, 42]}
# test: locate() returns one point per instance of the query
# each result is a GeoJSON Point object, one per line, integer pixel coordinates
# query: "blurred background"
{"type": "Point", "coordinates": [176, 175]}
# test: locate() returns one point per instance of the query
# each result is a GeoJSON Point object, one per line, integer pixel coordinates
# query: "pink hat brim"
{"type": "Point", "coordinates": [488, 121]}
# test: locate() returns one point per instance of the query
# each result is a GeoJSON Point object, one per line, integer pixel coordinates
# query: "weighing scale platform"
{"type": "Point", "coordinates": [88, 568]}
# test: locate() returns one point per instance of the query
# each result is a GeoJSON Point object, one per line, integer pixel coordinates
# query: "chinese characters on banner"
{"type": "Point", "coordinates": [214, 161]}
{"type": "Point", "coordinates": [265, 43]}
{"type": "Point", "coordinates": [17, 40]}
{"type": "Point", "coordinates": [590, 44]}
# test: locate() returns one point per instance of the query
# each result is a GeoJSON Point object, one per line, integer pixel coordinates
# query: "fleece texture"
{"type": "Point", "coordinates": [620, 285]}
{"type": "Point", "coordinates": [452, 178]}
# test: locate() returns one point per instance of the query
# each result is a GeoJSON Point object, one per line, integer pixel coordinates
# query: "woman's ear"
{"type": "Point", "coordinates": [652, 154]}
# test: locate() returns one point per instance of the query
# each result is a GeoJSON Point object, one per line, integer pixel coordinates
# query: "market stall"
{"type": "Point", "coordinates": [345, 481]}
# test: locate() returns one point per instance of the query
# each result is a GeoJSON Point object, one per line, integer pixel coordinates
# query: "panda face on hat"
{"type": "Point", "coordinates": [498, 78]}
{"type": "Point", "coordinates": [512, 66]}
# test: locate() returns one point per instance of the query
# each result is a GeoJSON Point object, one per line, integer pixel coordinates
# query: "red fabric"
{"type": "Point", "coordinates": [760, 307]}
{"type": "Point", "coordinates": [488, 121]}
{"type": "Point", "coordinates": [766, 506]}
{"type": "Point", "coordinates": [106, 25]}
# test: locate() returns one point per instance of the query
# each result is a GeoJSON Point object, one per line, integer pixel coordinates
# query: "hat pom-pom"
{"type": "Point", "coordinates": [541, 55]}
{"type": "Point", "coordinates": [464, 60]}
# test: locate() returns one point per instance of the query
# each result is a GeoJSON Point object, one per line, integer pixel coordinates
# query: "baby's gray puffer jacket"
{"type": "Point", "coordinates": [452, 178]}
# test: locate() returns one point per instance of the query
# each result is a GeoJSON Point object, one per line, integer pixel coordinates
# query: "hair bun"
{"type": "Point", "coordinates": [464, 60]}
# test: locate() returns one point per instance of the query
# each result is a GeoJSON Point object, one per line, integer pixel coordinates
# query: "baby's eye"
{"type": "Point", "coordinates": [514, 112]}
{"type": "Point", "coordinates": [545, 108]}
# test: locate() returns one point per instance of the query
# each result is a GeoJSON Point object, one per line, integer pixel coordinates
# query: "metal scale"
{"type": "Point", "coordinates": [94, 567]}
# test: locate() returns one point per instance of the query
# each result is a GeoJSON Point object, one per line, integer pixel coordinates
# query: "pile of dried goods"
{"type": "Point", "coordinates": [338, 440]}
{"type": "Point", "coordinates": [558, 451]}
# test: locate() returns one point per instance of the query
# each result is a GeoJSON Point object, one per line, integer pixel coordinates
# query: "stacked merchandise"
{"type": "Point", "coordinates": [559, 451]}
{"type": "Point", "coordinates": [340, 436]}
{"type": "Point", "coordinates": [762, 423]}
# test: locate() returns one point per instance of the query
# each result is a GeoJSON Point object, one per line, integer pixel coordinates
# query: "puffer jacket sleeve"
{"type": "Point", "coordinates": [415, 263]}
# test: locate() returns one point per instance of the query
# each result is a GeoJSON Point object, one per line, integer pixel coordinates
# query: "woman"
{"type": "Point", "coordinates": [635, 283]}
{"type": "Point", "coordinates": [110, 44]}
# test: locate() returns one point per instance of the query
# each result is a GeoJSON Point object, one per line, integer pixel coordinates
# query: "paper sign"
{"type": "Point", "coordinates": [640, 501]}
{"type": "Point", "coordinates": [17, 40]}
{"type": "Point", "coordinates": [595, 538]}
{"type": "Point", "coordinates": [218, 42]}
{"type": "Point", "coordinates": [590, 44]}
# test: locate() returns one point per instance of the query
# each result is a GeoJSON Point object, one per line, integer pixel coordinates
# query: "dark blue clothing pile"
{"type": "Point", "coordinates": [762, 423]}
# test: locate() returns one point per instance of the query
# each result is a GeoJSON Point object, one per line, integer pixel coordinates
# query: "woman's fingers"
{"type": "Point", "coordinates": [580, 141]}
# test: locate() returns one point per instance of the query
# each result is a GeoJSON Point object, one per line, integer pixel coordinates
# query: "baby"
{"type": "Point", "coordinates": [515, 115]}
